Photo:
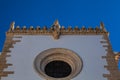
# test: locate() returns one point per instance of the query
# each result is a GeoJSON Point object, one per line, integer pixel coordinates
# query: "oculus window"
{"type": "Point", "coordinates": [58, 64]}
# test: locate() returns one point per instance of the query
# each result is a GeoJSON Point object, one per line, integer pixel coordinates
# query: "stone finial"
{"type": "Point", "coordinates": [31, 28]}
{"type": "Point", "coordinates": [12, 26]}
{"type": "Point", "coordinates": [56, 25]}
{"type": "Point", "coordinates": [24, 28]}
{"type": "Point", "coordinates": [62, 28]}
{"type": "Point", "coordinates": [83, 28]}
{"type": "Point", "coordinates": [69, 28]}
{"type": "Point", "coordinates": [38, 28]}
{"type": "Point", "coordinates": [102, 26]}
{"type": "Point", "coordinates": [45, 28]}
{"type": "Point", "coordinates": [17, 28]}
{"type": "Point", "coordinates": [97, 29]}
{"type": "Point", "coordinates": [56, 29]}
{"type": "Point", "coordinates": [76, 29]}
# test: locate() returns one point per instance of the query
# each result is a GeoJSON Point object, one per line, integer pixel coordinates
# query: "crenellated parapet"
{"type": "Point", "coordinates": [57, 30]}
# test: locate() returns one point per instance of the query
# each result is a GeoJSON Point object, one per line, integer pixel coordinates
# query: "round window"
{"type": "Point", "coordinates": [58, 64]}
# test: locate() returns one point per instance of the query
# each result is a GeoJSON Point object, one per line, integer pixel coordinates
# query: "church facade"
{"type": "Point", "coordinates": [58, 53]}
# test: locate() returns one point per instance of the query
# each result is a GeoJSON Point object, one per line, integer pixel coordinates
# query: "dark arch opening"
{"type": "Point", "coordinates": [58, 69]}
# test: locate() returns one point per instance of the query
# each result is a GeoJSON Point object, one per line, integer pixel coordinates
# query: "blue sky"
{"type": "Point", "coordinates": [68, 12]}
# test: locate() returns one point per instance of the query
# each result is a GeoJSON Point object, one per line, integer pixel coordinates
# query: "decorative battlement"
{"type": "Point", "coordinates": [56, 30]}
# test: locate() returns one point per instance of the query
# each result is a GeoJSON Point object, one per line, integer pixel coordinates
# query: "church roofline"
{"type": "Point", "coordinates": [15, 29]}
{"type": "Point", "coordinates": [56, 30]}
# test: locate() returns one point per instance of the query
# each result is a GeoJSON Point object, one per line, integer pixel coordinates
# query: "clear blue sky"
{"type": "Point", "coordinates": [68, 12]}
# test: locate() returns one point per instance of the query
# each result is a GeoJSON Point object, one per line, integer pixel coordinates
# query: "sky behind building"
{"type": "Point", "coordinates": [68, 12]}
